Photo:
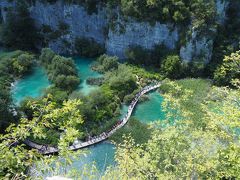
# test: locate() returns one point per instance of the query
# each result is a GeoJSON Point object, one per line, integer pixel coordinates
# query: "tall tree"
{"type": "Point", "coordinates": [6, 107]}
{"type": "Point", "coordinates": [19, 30]}
{"type": "Point", "coordinates": [229, 70]}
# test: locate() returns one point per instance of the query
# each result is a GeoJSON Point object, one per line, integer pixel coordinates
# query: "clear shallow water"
{"type": "Point", "coordinates": [85, 71]}
{"type": "Point", "coordinates": [34, 84]}
{"type": "Point", "coordinates": [102, 154]}
{"type": "Point", "coordinates": [31, 85]}
{"type": "Point", "coordinates": [150, 111]}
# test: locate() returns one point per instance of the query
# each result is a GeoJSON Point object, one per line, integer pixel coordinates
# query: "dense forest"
{"type": "Point", "coordinates": [199, 135]}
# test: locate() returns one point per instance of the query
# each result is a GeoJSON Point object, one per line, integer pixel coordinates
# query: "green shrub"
{"type": "Point", "coordinates": [172, 67]}
{"type": "Point", "coordinates": [128, 98]}
{"type": "Point", "coordinates": [25, 107]}
{"type": "Point", "coordinates": [61, 65]}
{"type": "Point", "coordinates": [227, 39]}
{"type": "Point", "coordinates": [58, 94]}
{"type": "Point", "coordinates": [90, 5]}
{"type": "Point", "coordinates": [12, 66]}
{"type": "Point", "coordinates": [122, 81]}
{"type": "Point", "coordinates": [52, 137]}
{"type": "Point", "coordinates": [22, 64]}
{"type": "Point", "coordinates": [139, 131]}
{"type": "Point", "coordinates": [194, 69]}
{"type": "Point", "coordinates": [199, 89]}
{"type": "Point", "coordinates": [6, 105]}
{"type": "Point", "coordinates": [141, 56]}
{"type": "Point", "coordinates": [158, 53]}
{"type": "Point", "coordinates": [61, 71]}
{"type": "Point", "coordinates": [68, 83]}
{"type": "Point", "coordinates": [63, 27]}
{"type": "Point", "coordinates": [98, 109]}
{"type": "Point", "coordinates": [46, 56]}
{"type": "Point", "coordinates": [229, 70]}
{"type": "Point", "coordinates": [106, 63]}
{"type": "Point", "coordinates": [16, 63]}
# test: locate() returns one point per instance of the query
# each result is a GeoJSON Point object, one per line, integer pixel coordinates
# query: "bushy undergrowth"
{"type": "Point", "coordinates": [61, 71]}
{"type": "Point", "coordinates": [139, 131]}
{"type": "Point", "coordinates": [12, 66]}
{"type": "Point", "coordinates": [199, 89]}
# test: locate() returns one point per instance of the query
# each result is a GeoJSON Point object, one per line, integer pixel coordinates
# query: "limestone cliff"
{"type": "Point", "coordinates": [199, 48]}
{"type": "Point", "coordinates": [142, 34]}
{"type": "Point", "coordinates": [95, 26]}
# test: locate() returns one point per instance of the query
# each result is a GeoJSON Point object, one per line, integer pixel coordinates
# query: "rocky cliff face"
{"type": "Point", "coordinates": [82, 24]}
{"type": "Point", "coordinates": [142, 34]}
{"type": "Point", "coordinates": [199, 48]}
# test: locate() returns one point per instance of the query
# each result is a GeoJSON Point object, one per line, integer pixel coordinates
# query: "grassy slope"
{"type": "Point", "coordinates": [140, 132]}
{"type": "Point", "coordinates": [200, 88]}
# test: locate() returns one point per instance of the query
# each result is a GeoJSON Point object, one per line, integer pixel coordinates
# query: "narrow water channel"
{"type": "Point", "coordinates": [85, 71]}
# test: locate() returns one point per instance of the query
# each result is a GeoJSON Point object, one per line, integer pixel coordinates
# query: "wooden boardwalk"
{"type": "Point", "coordinates": [46, 149]}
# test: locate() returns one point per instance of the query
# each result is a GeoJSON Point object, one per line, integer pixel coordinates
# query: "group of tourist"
{"type": "Point", "coordinates": [121, 122]}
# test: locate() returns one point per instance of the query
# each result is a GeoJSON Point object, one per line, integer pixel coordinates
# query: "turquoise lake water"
{"type": "Point", "coordinates": [34, 84]}
{"type": "Point", "coordinates": [85, 71]}
{"type": "Point", "coordinates": [150, 111]}
{"type": "Point", "coordinates": [30, 86]}
{"type": "Point", "coordinates": [103, 153]}
{"type": "Point", "coordinates": [100, 155]}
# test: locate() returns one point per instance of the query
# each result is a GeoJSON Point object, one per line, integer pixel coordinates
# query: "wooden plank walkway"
{"type": "Point", "coordinates": [46, 149]}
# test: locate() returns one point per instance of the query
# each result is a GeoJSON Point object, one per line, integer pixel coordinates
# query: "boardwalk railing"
{"type": "Point", "coordinates": [46, 149]}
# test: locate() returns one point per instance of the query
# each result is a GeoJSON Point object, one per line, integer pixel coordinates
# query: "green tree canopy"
{"type": "Point", "coordinates": [106, 63]}
{"type": "Point", "coordinates": [19, 30]}
{"type": "Point", "coordinates": [61, 70]}
{"type": "Point", "coordinates": [12, 66]}
{"type": "Point", "coordinates": [172, 66]}
{"type": "Point", "coordinates": [122, 81]}
{"type": "Point", "coordinates": [15, 158]}
{"type": "Point", "coordinates": [229, 70]}
{"type": "Point", "coordinates": [179, 149]}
